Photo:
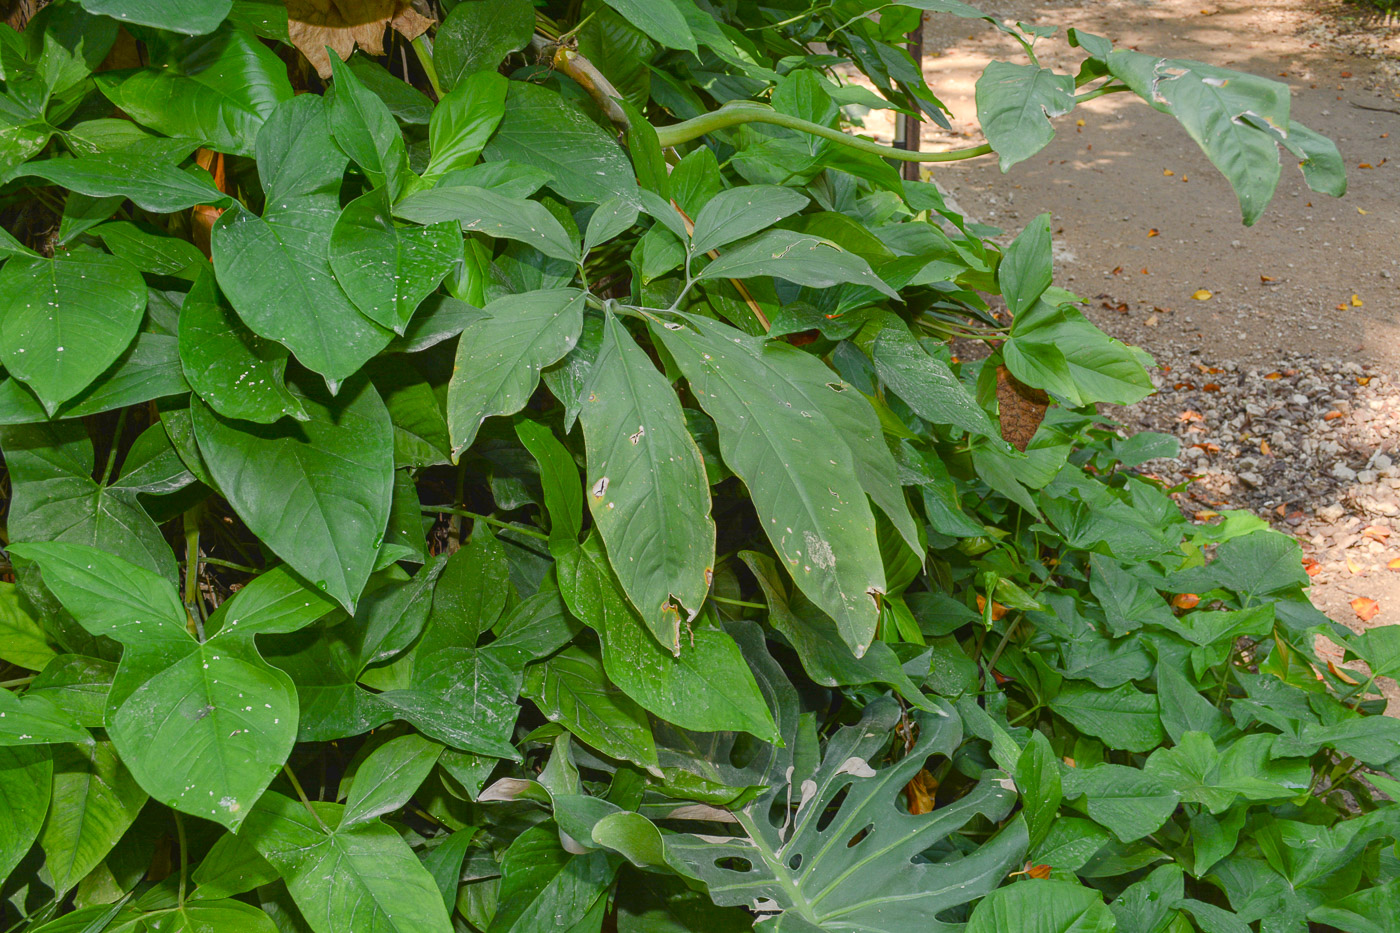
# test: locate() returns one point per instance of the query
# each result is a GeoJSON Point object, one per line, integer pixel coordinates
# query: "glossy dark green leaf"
{"type": "Point", "coordinates": [462, 697]}
{"type": "Point", "coordinates": [926, 383]}
{"type": "Point", "coordinates": [192, 17]}
{"type": "Point", "coordinates": [544, 887]}
{"type": "Point", "coordinates": [477, 35]}
{"type": "Point", "coordinates": [317, 492]}
{"type": "Point", "coordinates": [55, 498]}
{"type": "Point", "coordinates": [563, 493]}
{"type": "Point", "coordinates": [582, 160]}
{"type": "Point", "coordinates": [152, 252]}
{"type": "Point", "coordinates": [35, 720]}
{"type": "Point", "coordinates": [365, 130]}
{"type": "Point", "coordinates": [647, 489]}
{"type": "Point", "coordinates": [499, 357]}
{"type": "Point", "coordinates": [63, 321]}
{"type": "Point", "coordinates": [388, 270]}
{"type": "Point", "coordinates": [1026, 267]}
{"type": "Point", "coordinates": [801, 476]}
{"type": "Point", "coordinates": [470, 595]}
{"type": "Point", "coordinates": [1042, 906]}
{"type": "Point", "coordinates": [386, 780]}
{"type": "Point", "coordinates": [26, 782]}
{"type": "Point", "coordinates": [1124, 717]}
{"type": "Point", "coordinates": [275, 269]}
{"type": "Point", "coordinates": [706, 688]}
{"type": "Point", "coordinates": [150, 184]}
{"type": "Point", "coordinates": [797, 257]}
{"type": "Point", "coordinates": [95, 799]}
{"type": "Point", "coordinates": [148, 369]}
{"type": "Point", "coordinates": [343, 877]}
{"type": "Point", "coordinates": [662, 21]}
{"type": "Point", "coordinates": [235, 372]}
{"type": "Point", "coordinates": [480, 210]}
{"type": "Point", "coordinates": [572, 690]}
{"type": "Point", "coordinates": [739, 212]}
{"type": "Point", "coordinates": [220, 92]}
{"type": "Point", "coordinates": [22, 639]}
{"type": "Point", "coordinates": [1125, 800]}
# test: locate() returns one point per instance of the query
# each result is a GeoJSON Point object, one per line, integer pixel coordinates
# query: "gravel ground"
{"type": "Point", "coordinates": [1311, 444]}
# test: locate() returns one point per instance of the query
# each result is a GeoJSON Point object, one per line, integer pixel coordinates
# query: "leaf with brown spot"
{"type": "Point", "coordinates": [344, 24]}
{"type": "Point", "coordinates": [1020, 409]}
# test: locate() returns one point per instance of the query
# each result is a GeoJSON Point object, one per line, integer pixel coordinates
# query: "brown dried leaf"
{"type": "Point", "coordinates": [344, 24]}
{"type": "Point", "coordinates": [1021, 409]}
{"type": "Point", "coordinates": [920, 791]}
{"type": "Point", "coordinates": [1365, 608]}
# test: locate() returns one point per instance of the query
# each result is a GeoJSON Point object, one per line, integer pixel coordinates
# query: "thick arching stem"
{"type": "Point", "coordinates": [739, 112]}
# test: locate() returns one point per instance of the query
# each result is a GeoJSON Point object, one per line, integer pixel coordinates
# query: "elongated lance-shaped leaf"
{"type": "Point", "coordinates": [777, 436]}
{"type": "Point", "coordinates": [646, 486]}
{"type": "Point", "coordinates": [499, 357]}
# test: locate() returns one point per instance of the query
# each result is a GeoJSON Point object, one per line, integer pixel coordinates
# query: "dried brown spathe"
{"type": "Point", "coordinates": [1021, 409]}
{"type": "Point", "coordinates": [345, 24]}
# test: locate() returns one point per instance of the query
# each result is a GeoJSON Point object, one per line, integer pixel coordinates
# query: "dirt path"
{"type": "Point", "coordinates": [1294, 382]}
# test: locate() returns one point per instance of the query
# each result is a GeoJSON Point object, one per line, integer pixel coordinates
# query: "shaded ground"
{"type": "Point", "coordinates": [1282, 385]}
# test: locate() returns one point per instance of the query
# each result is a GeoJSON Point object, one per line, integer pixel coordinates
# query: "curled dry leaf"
{"type": "Point", "coordinates": [344, 24]}
{"type": "Point", "coordinates": [920, 791]}
{"type": "Point", "coordinates": [1021, 409]}
{"type": "Point", "coordinates": [1365, 608]}
{"type": "Point", "coordinates": [1186, 601]}
{"type": "Point", "coordinates": [1201, 294]}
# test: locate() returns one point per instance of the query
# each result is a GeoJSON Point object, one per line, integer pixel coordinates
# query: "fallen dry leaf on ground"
{"type": "Point", "coordinates": [1365, 608]}
{"type": "Point", "coordinates": [1201, 294]}
{"type": "Point", "coordinates": [344, 24]}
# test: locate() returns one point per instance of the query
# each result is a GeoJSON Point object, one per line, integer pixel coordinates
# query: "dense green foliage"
{"type": "Point", "coordinates": [551, 502]}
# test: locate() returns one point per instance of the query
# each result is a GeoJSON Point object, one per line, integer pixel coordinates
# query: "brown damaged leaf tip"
{"type": "Point", "coordinates": [345, 24]}
{"type": "Point", "coordinates": [1021, 409]}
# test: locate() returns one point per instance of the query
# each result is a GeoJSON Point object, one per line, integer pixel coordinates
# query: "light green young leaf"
{"type": "Point", "coordinates": [388, 270]}
{"type": "Point", "coordinates": [1014, 105]}
{"type": "Point", "coordinates": [65, 320]}
{"type": "Point", "coordinates": [792, 457]}
{"type": "Point", "coordinates": [660, 19]}
{"type": "Point", "coordinates": [151, 184]}
{"type": "Point", "coordinates": [1042, 906]}
{"type": "Point", "coordinates": [563, 494]}
{"type": "Point", "coordinates": [191, 17]}
{"type": "Point", "coordinates": [477, 35]}
{"type": "Point", "coordinates": [499, 357]}
{"type": "Point", "coordinates": [463, 121]}
{"type": "Point", "coordinates": [22, 639]}
{"type": "Point", "coordinates": [365, 130]}
{"type": "Point", "coordinates": [647, 489]}
{"type": "Point", "coordinates": [95, 799]}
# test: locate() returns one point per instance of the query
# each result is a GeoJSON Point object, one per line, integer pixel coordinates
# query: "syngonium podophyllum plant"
{"type": "Point", "coordinates": [520, 482]}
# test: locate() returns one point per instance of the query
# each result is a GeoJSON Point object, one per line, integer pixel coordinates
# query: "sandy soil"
{"type": "Point", "coordinates": [1128, 170]}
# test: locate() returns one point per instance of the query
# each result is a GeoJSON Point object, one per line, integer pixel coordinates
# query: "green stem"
{"type": "Point", "coordinates": [736, 602]}
{"type": "Point", "coordinates": [18, 681]}
{"type": "Point", "coordinates": [216, 562]}
{"type": "Point", "coordinates": [184, 855]}
{"type": "Point", "coordinates": [116, 442]}
{"type": "Point", "coordinates": [477, 516]}
{"type": "Point", "coordinates": [296, 785]}
{"type": "Point", "coordinates": [425, 58]}
{"type": "Point", "coordinates": [1101, 91]}
{"type": "Point", "coordinates": [192, 602]}
{"type": "Point", "coordinates": [735, 113]}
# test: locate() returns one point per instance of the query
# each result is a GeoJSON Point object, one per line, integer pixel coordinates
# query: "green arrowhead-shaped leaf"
{"type": "Point", "coordinates": [356, 877]}
{"type": "Point", "coordinates": [22, 639]}
{"type": "Point", "coordinates": [646, 486]}
{"type": "Point", "coordinates": [480, 210]}
{"type": "Point", "coordinates": [926, 383]}
{"type": "Point", "coordinates": [203, 726]}
{"type": "Point", "coordinates": [388, 270]}
{"type": "Point", "coordinates": [1042, 906]}
{"type": "Point", "coordinates": [544, 886]}
{"type": "Point", "coordinates": [220, 92]}
{"type": "Point", "coordinates": [499, 357]}
{"type": "Point", "coordinates": [235, 372]}
{"type": "Point", "coordinates": [739, 212]}
{"type": "Point", "coordinates": [316, 492]}
{"type": "Point", "coordinates": [661, 21]}
{"type": "Point", "coordinates": [796, 257]}
{"type": "Point", "coordinates": [1125, 800]}
{"type": "Point", "coordinates": [63, 321]}
{"type": "Point", "coordinates": [275, 269]}
{"type": "Point", "coordinates": [1015, 104]}
{"type": "Point", "coordinates": [1125, 717]}
{"type": "Point", "coordinates": [55, 498]}
{"type": "Point", "coordinates": [571, 689]}
{"type": "Point", "coordinates": [706, 688]}
{"type": "Point", "coordinates": [792, 458]}
{"type": "Point", "coordinates": [583, 161]}
{"type": "Point", "coordinates": [95, 799]}
{"type": "Point", "coordinates": [191, 17]}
